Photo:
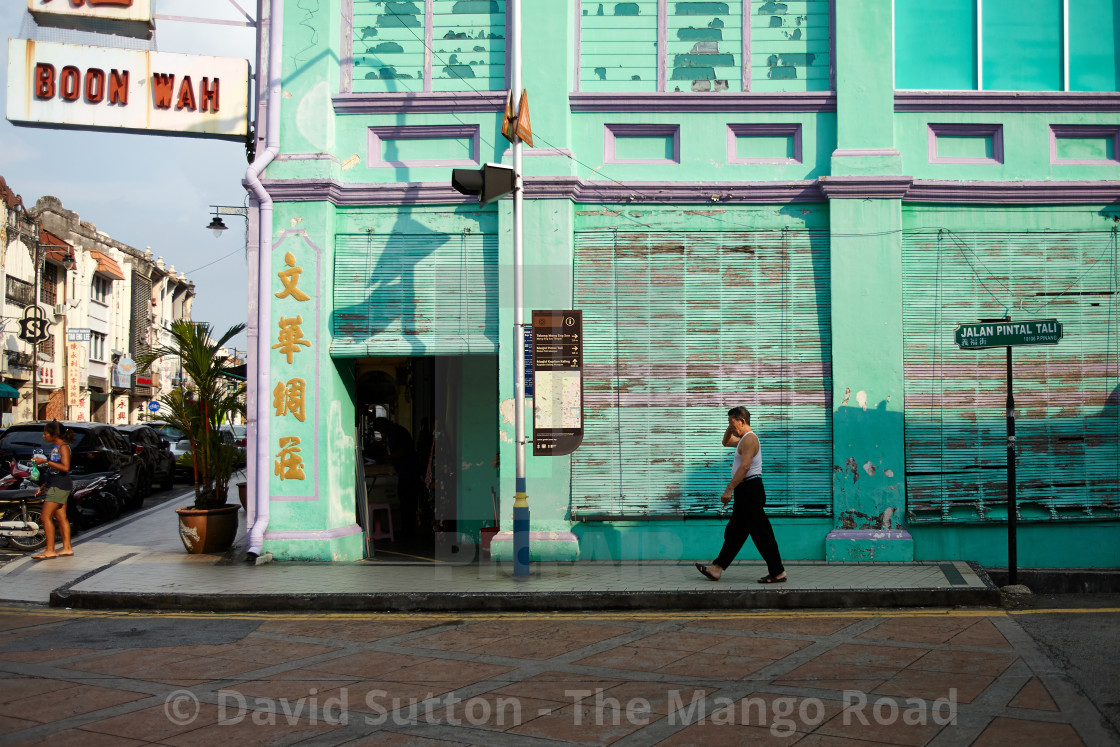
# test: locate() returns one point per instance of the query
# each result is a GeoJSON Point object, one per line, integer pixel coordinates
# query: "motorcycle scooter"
{"type": "Point", "coordinates": [21, 519]}
{"type": "Point", "coordinates": [96, 502]}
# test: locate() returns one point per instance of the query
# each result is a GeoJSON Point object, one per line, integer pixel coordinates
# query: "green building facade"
{"type": "Point", "coordinates": [783, 205]}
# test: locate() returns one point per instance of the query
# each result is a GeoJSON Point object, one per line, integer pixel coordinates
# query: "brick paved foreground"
{"type": "Point", "coordinates": [935, 677]}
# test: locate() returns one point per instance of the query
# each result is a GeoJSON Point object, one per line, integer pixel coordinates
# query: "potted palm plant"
{"type": "Point", "coordinates": [198, 410]}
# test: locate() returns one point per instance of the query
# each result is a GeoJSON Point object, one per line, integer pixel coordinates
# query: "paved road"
{"type": "Point", "coordinates": [922, 677]}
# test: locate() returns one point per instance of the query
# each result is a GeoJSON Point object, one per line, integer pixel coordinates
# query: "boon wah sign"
{"type": "Point", "coordinates": [99, 88]}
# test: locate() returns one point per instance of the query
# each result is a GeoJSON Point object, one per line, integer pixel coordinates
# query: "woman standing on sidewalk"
{"type": "Point", "coordinates": [748, 517]}
{"type": "Point", "coordinates": [56, 488]}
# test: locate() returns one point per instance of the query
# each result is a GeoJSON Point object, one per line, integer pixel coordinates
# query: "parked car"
{"type": "Point", "coordinates": [157, 461]}
{"type": "Point", "coordinates": [179, 446]}
{"type": "Point", "coordinates": [240, 434]}
{"type": "Point", "coordinates": [97, 449]}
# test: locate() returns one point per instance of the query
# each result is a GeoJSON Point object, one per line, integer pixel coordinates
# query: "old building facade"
{"type": "Point", "coordinates": [783, 205]}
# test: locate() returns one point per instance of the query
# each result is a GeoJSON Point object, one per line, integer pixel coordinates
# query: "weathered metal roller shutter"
{"type": "Point", "coordinates": [401, 294]}
{"type": "Point", "coordinates": [681, 326]}
{"type": "Point", "coordinates": [1068, 460]}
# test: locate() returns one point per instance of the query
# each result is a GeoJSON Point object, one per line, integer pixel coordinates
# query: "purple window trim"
{"type": "Point", "coordinates": [662, 44]}
{"type": "Point", "coordinates": [316, 343]}
{"type": "Point", "coordinates": [613, 131]}
{"type": "Point", "coordinates": [442, 102]}
{"type": "Point", "coordinates": [346, 64]}
{"type": "Point", "coordinates": [376, 135]}
{"type": "Point", "coordinates": [579, 43]}
{"type": "Point", "coordinates": [311, 534]}
{"type": "Point", "coordinates": [832, 45]}
{"type": "Point", "coordinates": [770, 192]}
{"type": "Point", "coordinates": [741, 129]}
{"type": "Point", "coordinates": [687, 101]}
{"type": "Point", "coordinates": [993, 131]}
{"type": "Point", "coordinates": [746, 50]}
{"type": "Point", "coordinates": [1082, 131]}
{"type": "Point", "coordinates": [1004, 101]}
{"type": "Point", "coordinates": [428, 49]}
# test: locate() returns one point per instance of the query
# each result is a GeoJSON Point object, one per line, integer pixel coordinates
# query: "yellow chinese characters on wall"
{"type": "Point", "coordinates": [290, 397]}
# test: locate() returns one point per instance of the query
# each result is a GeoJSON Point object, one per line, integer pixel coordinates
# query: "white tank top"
{"type": "Point", "coordinates": [755, 470]}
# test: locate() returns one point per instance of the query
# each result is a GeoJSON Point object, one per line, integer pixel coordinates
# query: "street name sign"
{"type": "Point", "coordinates": [975, 336]}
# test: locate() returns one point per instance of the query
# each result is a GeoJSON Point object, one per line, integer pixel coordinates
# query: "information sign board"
{"type": "Point", "coordinates": [557, 382]}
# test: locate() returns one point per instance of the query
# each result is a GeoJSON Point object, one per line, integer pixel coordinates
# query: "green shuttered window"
{"type": "Point", "coordinates": [681, 326]}
{"type": "Point", "coordinates": [391, 39]}
{"type": "Point", "coordinates": [647, 46]}
{"type": "Point", "coordinates": [1067, 424]}
{"type": "Point", "coordinates": [1007, 45]}
{"type": "Point", "coordinates": [415, 294]}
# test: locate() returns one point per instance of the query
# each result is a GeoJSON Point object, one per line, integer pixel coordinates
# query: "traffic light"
{"type": "Point", "coordinates": [491, 183]}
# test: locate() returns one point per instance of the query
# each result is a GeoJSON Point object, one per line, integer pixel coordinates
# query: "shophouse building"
{"type": "Point", "coordinates": [105, 302]}
{"type": "Point", "coordinates": [783, 205]}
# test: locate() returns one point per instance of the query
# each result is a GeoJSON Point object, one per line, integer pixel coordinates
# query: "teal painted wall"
{"type": "Point", "coordinates": [863, 137]}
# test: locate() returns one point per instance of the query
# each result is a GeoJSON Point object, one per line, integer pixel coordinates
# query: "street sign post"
{"type": "Point", "coordinates": [1007, 334]}
{"type": "Point", "coordinates": [1004, 333]}
{"type": "Point", "coordinates": [153, 406]}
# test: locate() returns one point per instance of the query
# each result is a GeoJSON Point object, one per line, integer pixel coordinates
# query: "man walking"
{"type": "Point", "coordinates": [748, 517]}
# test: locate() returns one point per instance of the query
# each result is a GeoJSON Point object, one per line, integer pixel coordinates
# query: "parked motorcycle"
{"type": "Point", "coordinates": [18, 477]}
{"type": "Point", "coordinates": [21, 519]}
{"type": "Point", "coordinates": [96, 502]}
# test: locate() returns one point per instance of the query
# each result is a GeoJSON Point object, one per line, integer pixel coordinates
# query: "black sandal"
{"type": "Point", "coordinates": [772, 580]}
{"type": "Point", "coordinates": [700, 567]}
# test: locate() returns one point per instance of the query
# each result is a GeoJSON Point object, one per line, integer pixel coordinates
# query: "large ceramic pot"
{"type": "Point", "coordinates": [208, 530]}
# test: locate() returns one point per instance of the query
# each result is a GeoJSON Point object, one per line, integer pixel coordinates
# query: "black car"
{"type": "Point", "coordinates": [97, 449]}
{"type": "Point", "coordinates": [157, 464]}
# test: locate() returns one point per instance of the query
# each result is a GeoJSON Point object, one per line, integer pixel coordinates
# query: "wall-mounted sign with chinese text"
{"type": "Point", "coordinates": [557, 382]}
{"type": "Point", "coordinates": [99, 88]}
{"type": "Point", "coordinates": [122, 17]}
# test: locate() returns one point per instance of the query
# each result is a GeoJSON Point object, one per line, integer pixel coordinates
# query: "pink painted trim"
{"type": "Point", "coordinates": [866, 187]}
{"type": "Point", "coordinates": [376, 136]}
{"type": "Point", "coordinates": [302, 535]}
{"type": "Point", "coordinates": [441, 102]}
{"type": "Point", "coordinates": [346, 61]}
{"type": "Point", "coordinates": [1072, 131]}
{"type": "Point", "coordinates": [579, 40]}
{"type": "Point", "coordinates": [428, 53]}
{"type": "Point", "coordinates": [747, 25]}
{"type": "Point", "coordinates": [832, 45]}
{"type": "Point", "coordinates": [1005, 101]}
{"type": "Point", "coordinates": [865, 153]}
{"type": "Point", "coordinates": [960, 129]}
{"type": "Point", "coordinates": [770, 192]}
{"type": "Point", "coordinates": [687, 101]}
{"type": "Point", "coordinates": [737, 130]}
{"type": "Point", "coordinates": [613, 131]}
{"type": "Point", "coordinates": [662, 43]}
{"type": "Point", "coordinates": [317, 390]}
{"type": "Point", "coordinates": [1014, 193]}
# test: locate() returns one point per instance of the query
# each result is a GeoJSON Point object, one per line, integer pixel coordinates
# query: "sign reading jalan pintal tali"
{"type": "Point", "coordinates": [1008, 334]}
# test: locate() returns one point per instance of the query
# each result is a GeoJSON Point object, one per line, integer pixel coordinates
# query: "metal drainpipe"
{"type": "Point", "coordinates": [259, 486]}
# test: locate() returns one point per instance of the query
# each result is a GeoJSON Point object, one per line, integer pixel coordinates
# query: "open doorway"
{"type": "Point", "coordinates": [428, 430]}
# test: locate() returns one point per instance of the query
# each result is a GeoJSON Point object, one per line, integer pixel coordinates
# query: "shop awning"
{"type": "Point", "coordinates": [6, 390]}
{"type": "Point", "coordinates": [107, 264]}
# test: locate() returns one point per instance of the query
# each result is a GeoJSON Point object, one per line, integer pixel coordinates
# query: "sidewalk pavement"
{"type": "Point", "coordinates": [140, 563]}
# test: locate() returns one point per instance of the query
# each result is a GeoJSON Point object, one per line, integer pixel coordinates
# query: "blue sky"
{"type": "Point", "coordinates": [148, 190]}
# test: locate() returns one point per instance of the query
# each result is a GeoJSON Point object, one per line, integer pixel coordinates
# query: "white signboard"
{"type": "Point", "coordinates": [124, 17]}
{"type": "Point", "coordinates": [100, 88]}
